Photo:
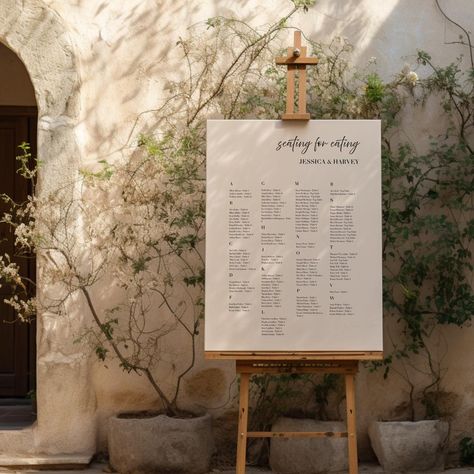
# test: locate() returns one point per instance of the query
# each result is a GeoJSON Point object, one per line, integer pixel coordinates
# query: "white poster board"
{"type": "Point", "coordinates": [293, 236]}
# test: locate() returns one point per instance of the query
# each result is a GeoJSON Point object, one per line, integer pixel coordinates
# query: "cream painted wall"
{"type": "Point", "coordinates": [125, 52]}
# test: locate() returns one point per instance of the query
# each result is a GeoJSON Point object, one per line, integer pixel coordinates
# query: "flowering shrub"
{"type": "Point", "coordinates": [131, 232]}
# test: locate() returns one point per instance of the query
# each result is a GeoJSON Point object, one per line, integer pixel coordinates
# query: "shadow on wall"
{"type": "Point", "coordinates": [133, 51]}
{"type": "Point", "coordinates": [133, 55]}
{"type": "Point", "coordinates": [391, 31]}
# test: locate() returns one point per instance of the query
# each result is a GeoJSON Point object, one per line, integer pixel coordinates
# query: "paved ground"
{"type": "Point", "coordinates": [101, 468]}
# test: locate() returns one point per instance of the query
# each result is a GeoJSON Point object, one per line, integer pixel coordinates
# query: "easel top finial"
{"type": "Point", "coordinates": [296, 54]}
{"type": "Point", "coordinates": [296, 60]}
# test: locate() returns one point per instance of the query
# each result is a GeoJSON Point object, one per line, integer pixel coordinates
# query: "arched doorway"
{"type": "Point", "coordinates": [18, 119]}
{"type": "Point", "coordinates": [66, 417]}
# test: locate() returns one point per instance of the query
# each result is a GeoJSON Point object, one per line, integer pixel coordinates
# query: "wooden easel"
{"type": "Point", "coordinates": [249, 363]}
{"type": "Point", "coordinates": [247, 368]}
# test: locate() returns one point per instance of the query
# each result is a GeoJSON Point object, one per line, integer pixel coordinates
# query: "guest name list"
{"type": "Point", "coordinates": [293, 246]}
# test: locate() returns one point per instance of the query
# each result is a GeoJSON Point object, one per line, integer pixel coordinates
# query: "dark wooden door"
{"type": "Point", "coordinates": [17, 339]}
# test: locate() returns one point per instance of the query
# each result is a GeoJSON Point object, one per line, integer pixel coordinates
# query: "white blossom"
{"type": "Point", "coordinates": [412, 78]}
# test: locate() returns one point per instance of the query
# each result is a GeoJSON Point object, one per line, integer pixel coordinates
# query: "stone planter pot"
{"type": "Point", "coordinates": [402, 446]}
{"type": "Point", "coordinates": [160, 444]}
{"type": "Point", "coordinates": [308, 455]}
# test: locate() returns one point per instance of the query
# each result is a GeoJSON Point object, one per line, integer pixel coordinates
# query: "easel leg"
{"type": "Point", "coordinates": [351, 424]}
{"type": "Point", "coordinates": [243, 422]}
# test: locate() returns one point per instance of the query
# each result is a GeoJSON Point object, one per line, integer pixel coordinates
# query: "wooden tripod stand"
{"type": "Point", "coordinates": [257, 361]}
{"type": "Point", "coordinates": [248, 367]}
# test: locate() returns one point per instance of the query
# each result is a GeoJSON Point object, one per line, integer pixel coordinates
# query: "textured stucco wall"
{"type": "Point", "coordinates": [121, 53]}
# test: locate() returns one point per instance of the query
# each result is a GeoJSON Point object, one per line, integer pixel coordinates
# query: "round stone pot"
{"type": "Point", "coordinates": [308, 455]}
{"type": "Point", "coordinates": [402, 446]}
{"type": "Point", "coordinates": [160, 444]}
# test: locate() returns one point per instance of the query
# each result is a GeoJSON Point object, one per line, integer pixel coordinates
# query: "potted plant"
{"type": "Point", "coordinates": [428, 266]}
{"type": "Point", "coordinates": [139, 242]}
{"type": "Point", "coordinates": [427, 219]}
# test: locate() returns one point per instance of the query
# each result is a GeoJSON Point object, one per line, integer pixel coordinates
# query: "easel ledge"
{"type": "Point", "coordinates": [289, 356]}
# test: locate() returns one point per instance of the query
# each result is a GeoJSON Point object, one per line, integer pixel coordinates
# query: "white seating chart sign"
{"type": "Point", "coordinates": [293, 236]}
